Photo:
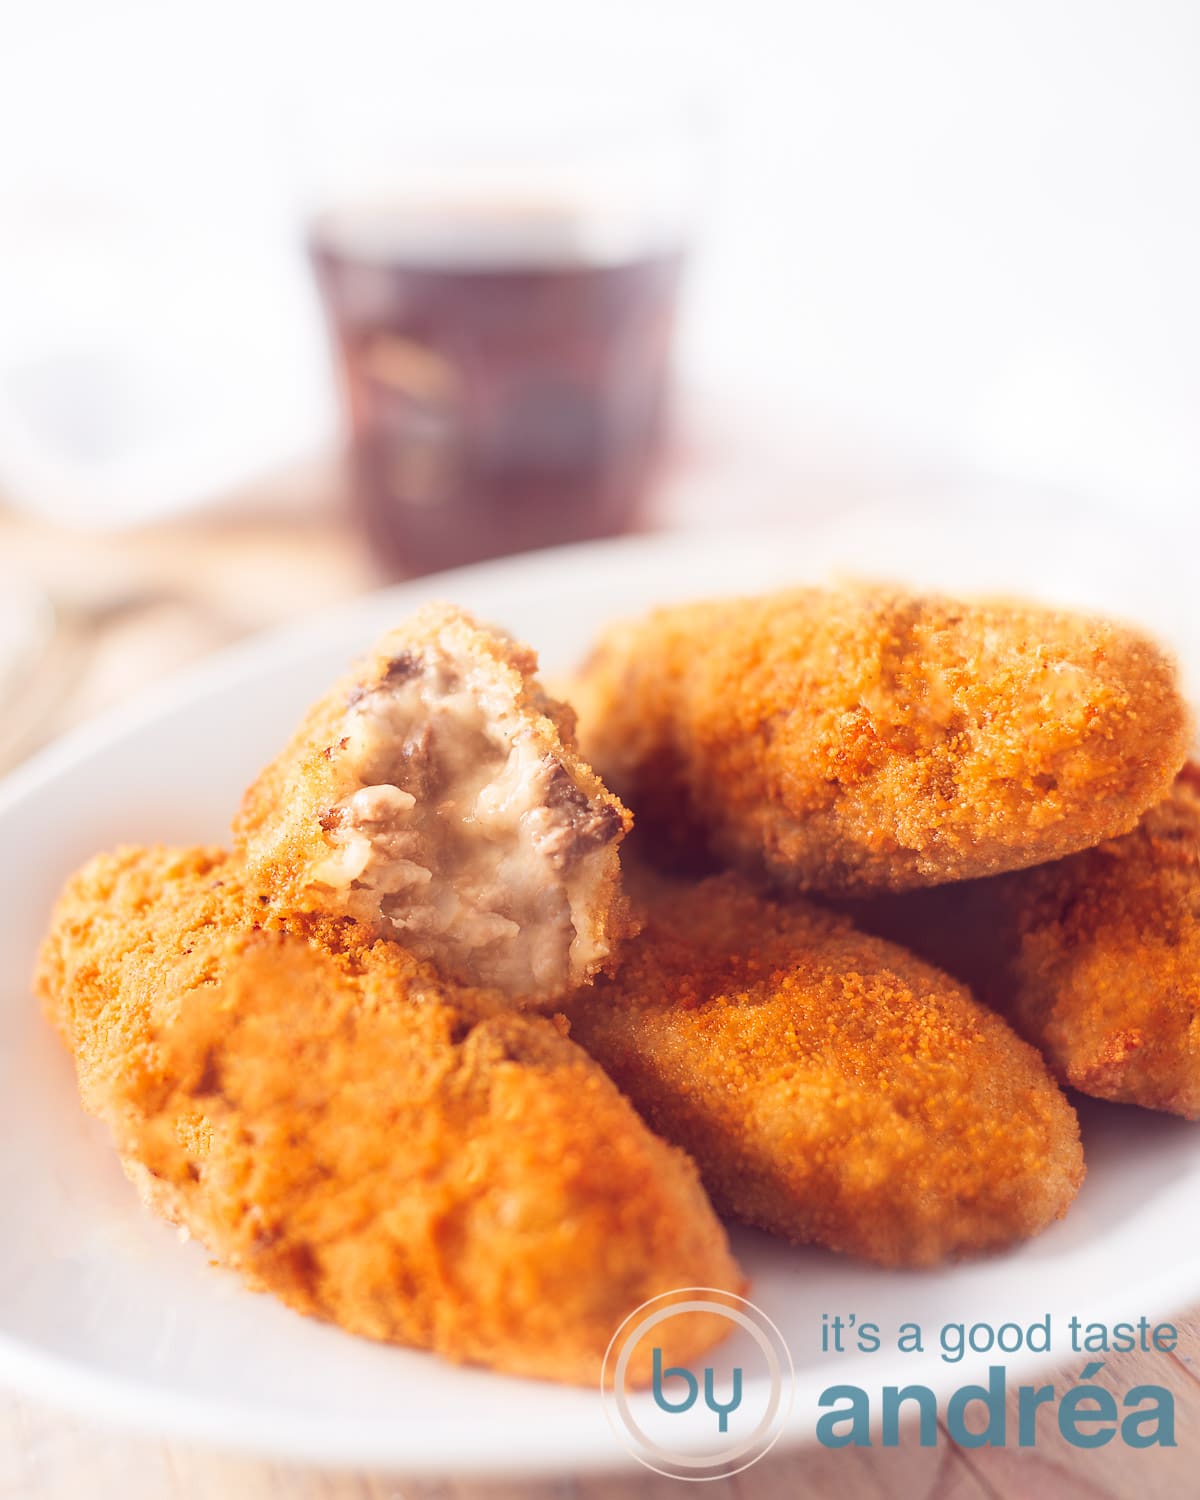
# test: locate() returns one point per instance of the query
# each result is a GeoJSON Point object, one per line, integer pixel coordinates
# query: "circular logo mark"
{"type": "Point", "coordinates": [708, 1418]}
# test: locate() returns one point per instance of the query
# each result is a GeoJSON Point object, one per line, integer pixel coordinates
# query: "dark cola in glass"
{"type": "Point", "coordinates": [505, 379]}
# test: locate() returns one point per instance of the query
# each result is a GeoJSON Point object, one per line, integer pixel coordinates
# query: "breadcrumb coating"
{"type": "Point", "coordinates": [831, 1087]}
{"type": "Point", "coordinates": [418, 1165]}
{"type": "Point", "coordinates": [436, 795]}
{"type": "Point", "coordinates": [866, 739]}
{"type": "Point", "coordinates": [1094, 958]}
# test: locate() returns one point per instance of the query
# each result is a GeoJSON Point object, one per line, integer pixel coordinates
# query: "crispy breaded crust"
{"type": "Point", "coordinates": [417, 1165]}
{"type": "Point", "coordinates": [1095, 958]}
{"type": "Point", "coordinates": [831, 1087]}
{"type": "Point", "coordinates": [289, 822]}
{"type": "Point", "coordinates": [868, 739]}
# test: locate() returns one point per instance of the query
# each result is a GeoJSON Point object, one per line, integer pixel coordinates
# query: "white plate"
{"type": "Point", "coordinates": [103, 1309]}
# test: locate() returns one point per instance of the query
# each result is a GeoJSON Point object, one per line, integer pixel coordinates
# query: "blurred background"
{"type": "Point", "coordinates": [297, 299]}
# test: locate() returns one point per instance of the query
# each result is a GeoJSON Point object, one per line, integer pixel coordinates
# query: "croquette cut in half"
{"type": "Point", "coordinates": [861, 739]}
{"type": "Point", "coordinates": [831, 1087]}
{"type": "Point", "coordinates": [436, 796]}
{"type": "Point", "coordinates": [418, 1165]}
{"type": "Point", "coordinates": [1095, 959]}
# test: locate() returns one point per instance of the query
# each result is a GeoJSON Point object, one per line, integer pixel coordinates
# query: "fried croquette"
{"type": "Point", "coordinates": [331, 1121]}
{"type": "Point", "coordinates": [831, 1087]}
{"type": "Point", "coordinates": [867, 739]}
{"type": "Point", "coordinates": [436, 796]}
{"type": "Point", "coordinates": [1095, 958]}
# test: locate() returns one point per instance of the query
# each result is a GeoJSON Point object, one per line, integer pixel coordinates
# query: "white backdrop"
{"type": "Point", "coordinates": [965, 231]}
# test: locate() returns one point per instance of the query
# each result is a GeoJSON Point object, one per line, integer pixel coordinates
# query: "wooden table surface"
{"type": "Point", "coordinates": [161, 599]}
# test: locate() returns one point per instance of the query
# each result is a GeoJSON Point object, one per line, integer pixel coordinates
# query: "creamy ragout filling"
{"type": "Point", "coordinates": [463, 833]}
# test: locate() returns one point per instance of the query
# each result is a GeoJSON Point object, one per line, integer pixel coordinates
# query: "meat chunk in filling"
{"type": "Point", "coordinates": [463, 828]}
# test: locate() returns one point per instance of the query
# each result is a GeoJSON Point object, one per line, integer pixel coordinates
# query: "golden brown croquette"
{"type": "Point", "coordinates": [415, 1164]}
{"type": "Point", "coordinates": [436, 795]}
{"type": "Point", "coordinates": [831, 1087]}
{"type": "Point", "coordinates": [869, 739]}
